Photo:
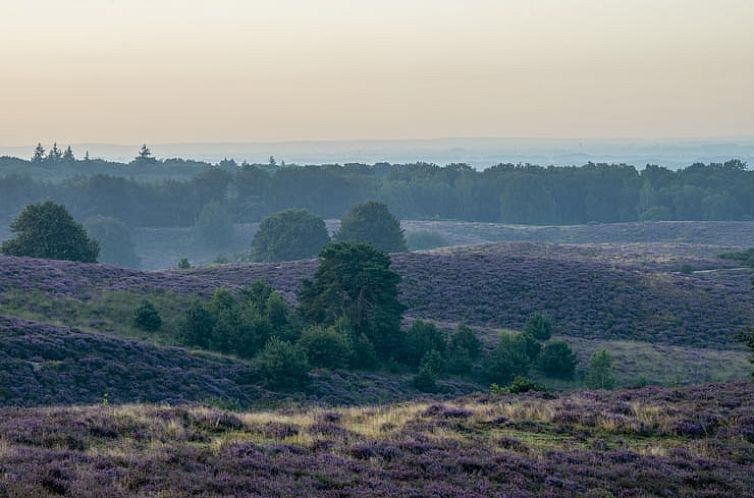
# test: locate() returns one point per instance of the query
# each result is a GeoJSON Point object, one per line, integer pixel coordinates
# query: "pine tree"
{"type": "Point", "coordinates": [55, 155]}
{"type": "Point", "coordinates": [68, 155]}
{"type": "Point", "coordinates": [144, 156]}
{"type": "Point", "coordinates": [39, 154]}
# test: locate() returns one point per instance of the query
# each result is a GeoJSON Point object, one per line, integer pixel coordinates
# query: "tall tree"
{"type": "Point", "coordinates": [289, 235]}
{"type": "Point", "coordinates": [372, 223]}
{"type": "Point", "coordinates": [355, 281]}
{"type": "Point", "coordinates": [55, 155]}
{"type": "Point", "coordinates": [68, 155]}
{"type": "Point", "coordinates": [48, 231]}
{"type": "Point", "coordinates": [599, 374]}
{"type": "Point", "coordinates": [144, 156]}
{"type": "Point", "coordinates": [39, 154]}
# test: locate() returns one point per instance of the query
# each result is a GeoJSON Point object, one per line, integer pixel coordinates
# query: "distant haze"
{"type": "Point", "coordinates": [477, 152]}
{"type": "Point", "coordinates": [177, 71]}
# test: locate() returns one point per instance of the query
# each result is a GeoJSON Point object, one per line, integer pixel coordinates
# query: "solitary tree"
{"type": "Point", "coordinates": [47, 230]}
{"type": "Point", "coordinates": [288, 235]}
{"type": "Point", "coordinates": [147, 318]}
{"type": "Point", "coordinates": [144, 156]}
{"type": "Point", "coordinates": [372, 223]}
{"type": "Point", "coordinates": [355, 281]}
{"type": "Point", "coordinates": [600, 375]}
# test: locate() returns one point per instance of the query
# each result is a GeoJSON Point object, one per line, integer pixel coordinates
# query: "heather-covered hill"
{"type": "Point", "coordinates": [643, 443]}
{"type": "Point", "coordinates": [631, 291]}
{"type": "Point", "coordinates": [46, 365]}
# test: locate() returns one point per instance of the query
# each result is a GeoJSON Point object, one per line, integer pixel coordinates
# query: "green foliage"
{"type": "Point", "coordinates": [423, 240]}
{"type": "Point", "coordinates": [326, 347]}
{"type": "Point", "coordinates": [289, 235]}
{"type": "Point", "coordinates": [745, 257]}
{"type": "Point", "coordinates": [198, 326]}
{"type": "Point", "coordinates": [533, 347]}
{"type": "Point", "coordinates": [429, 370]}
{"type": "Point", "coordinates": [372, 223]}
{"type": "Point", "coordinates": [599, 374]}
{"type": "Point", "coordinates": [283, 365]}
{"type": "Point", "coordinates": [508, 359]}
{"type": "Point", "coordinates": [524, 385]}
{"type": "Point", "coordinates": [464, 349]}
{"type": "Point", "coordinates": [214, 228]}
{"type": "Point", "coordinates": [147, 317]}
{"type": "Point", "coordinates": [355, 281]}
{"type": "Point", "coordinates": [184, 264]}
{"type": "Point", "coordinates": [240, 327]}
{"type": "Point", "coordinates": [558, 360]}
{"type": "Point", "coordinates": [420, 339]}
{"type": "Point", "coordinates": [539, 326]}
{"type": "Point", "coordinates": [48, 231]}
{"type": "Point", "coordinates": [115, 242]}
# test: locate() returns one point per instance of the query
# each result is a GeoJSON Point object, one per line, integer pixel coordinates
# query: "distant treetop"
{"type": "Point", "coordinates": [46, 230]}
{"type": "Point", "coordinates": [372, 223]}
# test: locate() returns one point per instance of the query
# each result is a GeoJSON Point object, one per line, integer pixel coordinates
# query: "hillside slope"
{"type": "Point", "coordinates": [46, 365]}
{"type": "Point", "coordinates": [596, 291]}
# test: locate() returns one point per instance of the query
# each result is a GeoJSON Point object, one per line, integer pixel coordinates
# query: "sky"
{"type": "Point", "coordinates": [188, 71]}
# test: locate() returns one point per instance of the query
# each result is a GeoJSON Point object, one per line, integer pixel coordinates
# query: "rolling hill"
{"type": "Point", "coordinates": [611, 291]}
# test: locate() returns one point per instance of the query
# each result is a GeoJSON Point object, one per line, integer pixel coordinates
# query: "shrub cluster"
{"type": "Point", "coordinates": [517, 353]}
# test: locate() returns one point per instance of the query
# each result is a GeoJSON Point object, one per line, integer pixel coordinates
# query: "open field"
{"type": "Point", "coordinates": [651, 442]}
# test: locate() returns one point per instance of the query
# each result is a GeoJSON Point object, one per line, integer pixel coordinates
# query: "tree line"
{"type": "Point", "coordinates": [507, 193]}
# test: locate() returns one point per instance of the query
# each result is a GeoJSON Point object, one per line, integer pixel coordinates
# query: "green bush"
{"type": "Point", "coordinates": [372, 223]}
{"type": "Point", "coordinates": [464, 349]}
{"type": "Point", "coordinates": [326, 347]}
{"type": "Point", "coordinates": [524, 385]}
{"type": "Point", "coordinates": [558, 360]}
{"type": "Point", "coordinates": [147, 317]}
{"type": "Point", "coordinates": [600, 375]}
{"type": "Point", "coordinates": [283, 365]}
{"type": "Point", "coordinates": [508, 359]}
{"type": "Point", "coordinates": [539, 326]}
{"type": "Point", "coordinates": [184, 264]}
{"type": "Point", "coordinates": [241, 327]}
{"type": "Point", "coordinates": [289, 235]}
{"type": "Point", "coordinates": [429, 371]}
{"type": "Point", "coordinates": [421, 338]}
{"type": "Point", "coordinates": [198, 326]}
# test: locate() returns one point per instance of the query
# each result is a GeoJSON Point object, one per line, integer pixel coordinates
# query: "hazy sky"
{"type": "Point", "coordinates": [132, 71]}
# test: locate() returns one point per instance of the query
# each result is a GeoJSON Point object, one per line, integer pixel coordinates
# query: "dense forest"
{"type": "Point", "coordinates": [173, 192]}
